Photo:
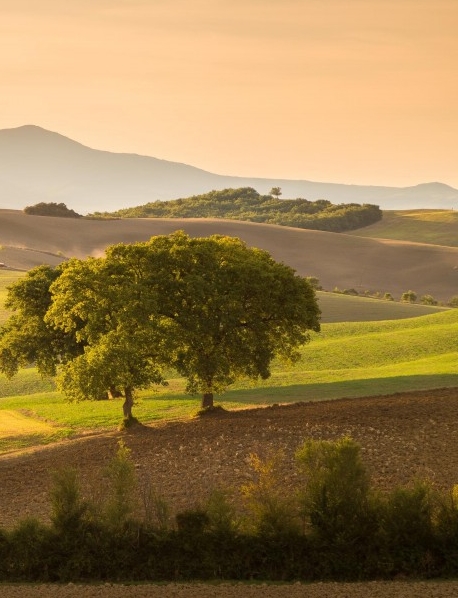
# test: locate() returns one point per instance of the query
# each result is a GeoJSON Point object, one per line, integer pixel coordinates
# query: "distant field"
{"type": "Point", "coordinates": [348, 308]}
{"type": "Point", "coordinates": [344, 360]}
{"type": "Point", "coordinates": [437, 227]}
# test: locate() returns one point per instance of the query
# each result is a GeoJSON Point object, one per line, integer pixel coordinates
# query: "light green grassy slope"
{"type": "Point", "coordinates": [344, 360]}
{"type": "Point", "coordinates": [369, 358]}
{"type": "Point", "coordinates": [437, 227]}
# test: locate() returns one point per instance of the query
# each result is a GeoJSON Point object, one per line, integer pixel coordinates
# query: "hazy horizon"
{"type": "Point", "coordinates": [357, 92]}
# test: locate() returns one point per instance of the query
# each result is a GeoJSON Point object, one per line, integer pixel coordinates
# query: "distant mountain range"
{"type": "Point", "coordinates": [37, 165]}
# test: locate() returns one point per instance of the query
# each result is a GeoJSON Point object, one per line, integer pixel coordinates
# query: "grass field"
{"type": "Point", "coordinates": [348, 308]}
{"type": "Point", "coordinates": [344, 360]}
{"type": "Point", "coordinates": [437, 227]}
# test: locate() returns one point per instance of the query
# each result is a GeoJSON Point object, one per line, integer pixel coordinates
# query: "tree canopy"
{"type": "Point", "coordinates": [26, 338]}
{"type": "Point", "coordinates": [212, 308]}
{"type": "Point", "coordinates": [51, 209]}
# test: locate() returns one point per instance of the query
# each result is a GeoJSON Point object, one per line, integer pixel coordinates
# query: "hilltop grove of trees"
{"type": "Point", "coordinates": [246, 203]}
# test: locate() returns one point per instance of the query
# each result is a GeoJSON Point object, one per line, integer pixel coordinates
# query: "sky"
{"type": "Point", "coordinates": [343, 91]}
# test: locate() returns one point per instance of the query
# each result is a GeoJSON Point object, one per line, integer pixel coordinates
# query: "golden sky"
{"type": "Point", "coordinates": [344, 91]}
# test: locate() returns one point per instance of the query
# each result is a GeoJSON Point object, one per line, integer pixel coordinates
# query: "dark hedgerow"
{"type": "Point", "coordinates": [349, 532]}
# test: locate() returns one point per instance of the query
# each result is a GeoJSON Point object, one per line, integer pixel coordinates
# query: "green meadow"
{"type": "Point", "coordinates": [437, 227]}
{"type": "Point", "coordinates": [346, 359]}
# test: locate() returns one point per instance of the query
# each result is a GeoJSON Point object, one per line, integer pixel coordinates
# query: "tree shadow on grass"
{"type": "Point", "coordinates": [338, 390]}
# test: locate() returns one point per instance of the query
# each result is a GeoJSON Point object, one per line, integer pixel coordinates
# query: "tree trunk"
{"type": "Point", "coordinates": [207, 400]}
{"type": "Point", "coordinates": [128, 402]}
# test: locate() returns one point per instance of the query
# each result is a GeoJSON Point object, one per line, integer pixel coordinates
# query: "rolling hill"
{"type": "Point", "coordinates": [438, 227]}
{"type": "Point", "coordinates": [37, 165]}
{"type": "Point", "coordinates": [338, 260]}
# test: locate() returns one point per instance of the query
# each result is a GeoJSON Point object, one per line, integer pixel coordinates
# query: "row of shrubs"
{"type": "Point", "coordinates": [406, 297]}
{"type": "Point", "coordinates": [337, 527]}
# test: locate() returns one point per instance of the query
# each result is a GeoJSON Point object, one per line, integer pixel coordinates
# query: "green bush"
{"type": "Point", "coordinates": [68, 507]}
{"type": "Point", "coordinates": [270, 512]}
{"type": "Point", "coordinates": [120, 504]}
{"type": "Point", "coordinates": [407, 528]}
{"type": "Point", "coordinates": [29, 550]}
{"type": "Point", "coordinates": [156, 509]}
{"type": "Point", "coordinates": [222, 517]}
{"type": "Point", "coordinates": [409, 297]}
{"type": "Point", "coordinates": [427, 300]}
{"type": "Point", "coordinates": [336, 500]}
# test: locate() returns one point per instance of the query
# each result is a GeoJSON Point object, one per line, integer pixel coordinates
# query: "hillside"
{"type": "Point", "coordinates": [438, 227]}
{"type": "Point", "coordinates": [37, 165]}
{"type": "Point", "coordinates": [338, 260]}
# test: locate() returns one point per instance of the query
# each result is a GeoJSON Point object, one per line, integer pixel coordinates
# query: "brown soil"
{"type": "Point", "coordinates": [403, 437]}
{"type": "Point", "coordinates": [447, 589]}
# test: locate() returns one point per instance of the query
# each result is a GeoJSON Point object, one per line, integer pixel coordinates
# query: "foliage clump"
{"type": "Point", "coordinates": [51, 209]}
{"type": "Point", "coordinates": [409, 297]}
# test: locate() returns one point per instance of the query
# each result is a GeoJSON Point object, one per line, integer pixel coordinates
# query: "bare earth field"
{"type": "Point", "coordinates": [403, 437]}
{"type": "Point", "coordinates": [338, 260]}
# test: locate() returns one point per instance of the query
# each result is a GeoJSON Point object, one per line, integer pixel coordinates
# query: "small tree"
{"type": "Point", "coordinates": [271, 511]}
{"type": "Point", "coordinates": [409, 297]}
{"type": "Point", "coordinates": [453, 301]}
{"type": "Point", "coordinates": [428, 300]}
{"type": "Point", "coordinates": [336, 496]}
{"type": "Point", "coordinates": [120, 503]}
{"type": "Point", "coordinates": [275, 192]}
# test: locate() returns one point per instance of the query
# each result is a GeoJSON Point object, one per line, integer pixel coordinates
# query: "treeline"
{"type": "Point", "coordinates": [246, 203]}
{"type": "Point", "coordinates": [336, 527]}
